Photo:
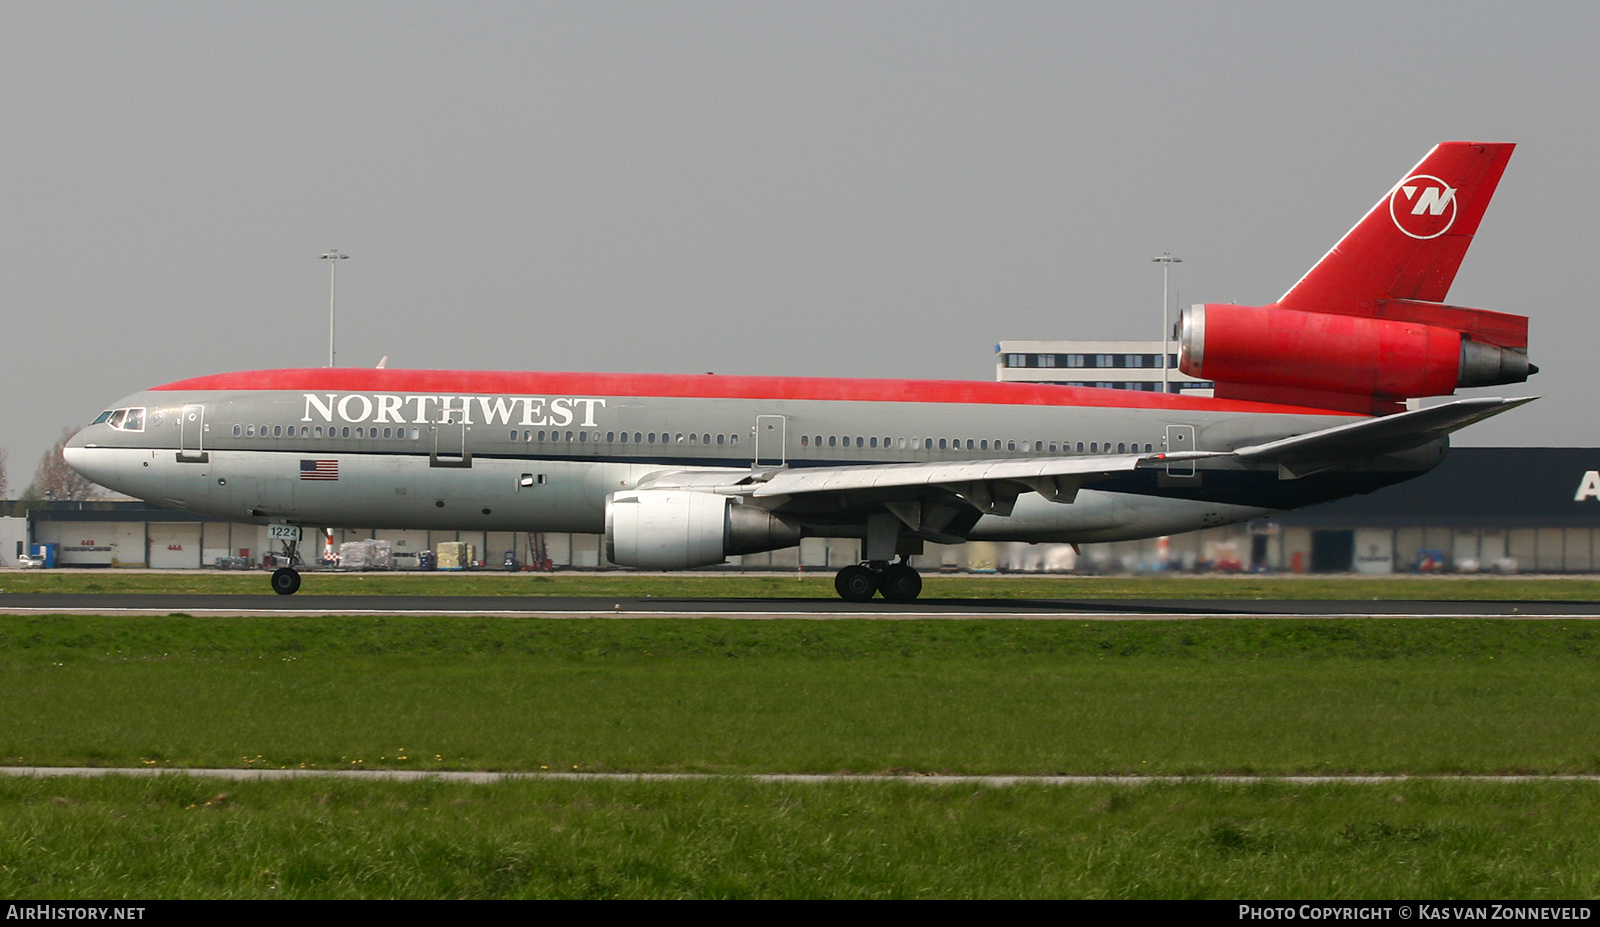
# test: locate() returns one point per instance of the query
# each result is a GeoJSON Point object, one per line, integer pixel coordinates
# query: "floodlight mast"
{"type": "Point", "coordinates": [1166, 260]}
{"type": "Point", "coordinates": [333, 257]}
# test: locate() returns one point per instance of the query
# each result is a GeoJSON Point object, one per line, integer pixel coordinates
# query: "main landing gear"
{"type": "Point", "coordinates": [897, 581]}
{"type": "Point", "coordinates": [286, 580]}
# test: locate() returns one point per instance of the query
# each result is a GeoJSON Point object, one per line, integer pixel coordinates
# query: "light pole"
{"type": "Point", "coordinates": [333, 257]}
{"type": "Point", "coordinates": [1166, 260]}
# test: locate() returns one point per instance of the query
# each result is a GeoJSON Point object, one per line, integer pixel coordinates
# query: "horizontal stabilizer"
{"type": "Point", "coordinates": [1377, 436]}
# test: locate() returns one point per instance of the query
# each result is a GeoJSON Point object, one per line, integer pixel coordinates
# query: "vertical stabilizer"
{"type": "Point", "coordinates": [1410, 245]}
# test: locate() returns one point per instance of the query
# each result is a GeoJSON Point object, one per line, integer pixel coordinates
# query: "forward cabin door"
{"type": "Point", "coordinates": [770, 432]}
{"type": "Point", "coordinates": [191, 434]}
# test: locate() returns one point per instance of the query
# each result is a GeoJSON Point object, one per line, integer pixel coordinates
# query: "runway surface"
{"type": "Point", "coordinates": [772, 608]}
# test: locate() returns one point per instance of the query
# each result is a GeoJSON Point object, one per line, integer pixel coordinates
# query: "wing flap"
{"type": "Point", "coordinates": [1028, 472]}
{"type": "Point", "coordinates": [1376, 436]}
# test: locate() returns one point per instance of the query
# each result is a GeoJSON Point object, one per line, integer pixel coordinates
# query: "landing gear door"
{"type": "Point", "coordinates": [1180, 438]}
{"type": "Point", "coordinates": [770, 432]}
{"type": "Point", "coordinates": [191, 434]}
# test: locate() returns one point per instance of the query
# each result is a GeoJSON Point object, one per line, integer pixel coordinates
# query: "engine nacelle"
{"type": "Point", "coordinates": [674, 529]}
{"type": "Point", "coordinates": [1377, 358]}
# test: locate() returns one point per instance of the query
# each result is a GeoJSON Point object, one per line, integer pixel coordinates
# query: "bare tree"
{"type": "Point", "coordinates": [3, 487]}
{"type": "Point", "coordinates": [55, 480]}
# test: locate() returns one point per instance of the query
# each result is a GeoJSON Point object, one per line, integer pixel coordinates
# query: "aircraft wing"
{"type": "Point", "coordinates": [989, 486]}
{"type": "Point", "coordinates": [992, 486]}
{"type": "Point", "coordinates": [1303, 454]}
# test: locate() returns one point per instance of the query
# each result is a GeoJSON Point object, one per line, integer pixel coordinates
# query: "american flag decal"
{"type": "Point", "coordinates": [319, 469]}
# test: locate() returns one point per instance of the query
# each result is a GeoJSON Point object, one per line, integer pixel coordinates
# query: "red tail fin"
{"type": "Point", "coordinates": [1410, 245]}
{"type": "Point", "coordinates": [1366, 328]}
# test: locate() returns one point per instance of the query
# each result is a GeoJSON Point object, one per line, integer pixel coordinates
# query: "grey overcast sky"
{"type": "Point", "coordinates": [845, 189]}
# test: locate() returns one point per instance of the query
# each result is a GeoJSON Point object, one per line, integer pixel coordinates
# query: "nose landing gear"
{"type": "Point", "coordinates": [897, 582]}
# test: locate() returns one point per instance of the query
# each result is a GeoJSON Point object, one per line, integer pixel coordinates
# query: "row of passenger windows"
{"type": "Point", "coordinates": [651, 437]}
{"type": "Point", "coordinates": [639, 437]}
{"type": "Point", "coordinates": [967, 444]}
{"type": "Point", "coordinates": [307, 431]}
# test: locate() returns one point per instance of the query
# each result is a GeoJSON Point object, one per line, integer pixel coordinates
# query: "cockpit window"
{"type": "Point", "coordinates": [125, 419]}
{"type": "Point", "coordinates": [103, 416]}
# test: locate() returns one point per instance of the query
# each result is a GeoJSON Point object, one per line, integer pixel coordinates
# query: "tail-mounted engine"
{"type": "Point", "coordinates": [673, 529]}
{"type": "Point", "coordinates": [1357, 363]}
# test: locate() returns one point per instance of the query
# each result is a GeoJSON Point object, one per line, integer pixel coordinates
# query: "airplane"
{"type": "Point", "coordinates": [678, 472]}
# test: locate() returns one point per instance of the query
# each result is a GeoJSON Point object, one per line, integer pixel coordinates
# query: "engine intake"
{"type": "Point", "coordinates": [672, 529]}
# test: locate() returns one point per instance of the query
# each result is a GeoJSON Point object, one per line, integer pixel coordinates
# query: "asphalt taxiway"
{"type": "Point", "coordinates": [771, 608]}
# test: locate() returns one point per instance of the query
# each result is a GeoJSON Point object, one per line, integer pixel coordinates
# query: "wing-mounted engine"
{"type": "Point", "coordinates": [1366, 328]}
{"type": "Point", "coordinates": [672, 529]}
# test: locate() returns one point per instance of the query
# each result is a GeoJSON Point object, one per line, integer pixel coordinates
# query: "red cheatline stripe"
{"type": "Point", "coordinates": [675, 386]}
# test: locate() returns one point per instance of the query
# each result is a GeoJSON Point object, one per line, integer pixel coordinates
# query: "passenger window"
{"type": "Point", "coordinates": [237, 431]}
{"type": "Point", "coordinates": [652, 437]}
{"type": "Point", "coordinates": [636, 437]}
{"type": "Point", "coordinates": [611, 436]}
{"type": "Point", "coordinates": [805, 440]}
{"type": "Point", "coordinates": [416, 433]}
{"type": "Point", "coordinates": [1011, 445]}
{"type": "Point", "coordinates": [1122, 448]}
{"type": "Point", "coordinates": [720, 437]}
{"type": "Point", "coordinates": [250, 431]}
{"type": "Point", "coordinates": [344, 432]}
{"type": "Point", "coordinates": [277, 431]}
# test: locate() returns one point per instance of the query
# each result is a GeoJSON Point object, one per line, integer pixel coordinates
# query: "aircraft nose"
{"type": "Point", "coordinates": [84, 458]}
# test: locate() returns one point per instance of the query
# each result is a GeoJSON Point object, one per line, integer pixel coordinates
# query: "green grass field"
{"type": "Point", "coordinates": [705, 695]}
{"type": "Point", "coordinates": [708, 695]}
{"type": "Point", "coordinates": [184, 838]}
{"type": "Point", "coordinates": [819, 584]}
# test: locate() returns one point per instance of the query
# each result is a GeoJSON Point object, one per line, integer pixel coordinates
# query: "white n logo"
{"type": "Point", "coordinates": [1432, 201]}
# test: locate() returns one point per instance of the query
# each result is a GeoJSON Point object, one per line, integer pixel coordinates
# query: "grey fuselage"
{"type": "Point", "coordinates": [542, 452]}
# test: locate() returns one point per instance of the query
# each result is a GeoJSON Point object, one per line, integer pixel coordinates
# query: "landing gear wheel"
{"type": "Point", "coordinates": [856, 584]}
{"type": "Point", "coordinates": [285, 581]}
{"type": "Point", "coordinates": [900, 583]}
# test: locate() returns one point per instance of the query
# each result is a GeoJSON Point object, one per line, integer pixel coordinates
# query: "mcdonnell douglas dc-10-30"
{"type": "Point", "coordinates": [685, 471]}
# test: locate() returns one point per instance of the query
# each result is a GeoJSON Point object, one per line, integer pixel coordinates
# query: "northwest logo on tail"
{"type": "Point", "coordinates": [1423, 206]}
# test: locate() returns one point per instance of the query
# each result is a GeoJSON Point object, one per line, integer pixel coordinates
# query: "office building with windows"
{"type": "Point", "coordinates": [1133, 365]}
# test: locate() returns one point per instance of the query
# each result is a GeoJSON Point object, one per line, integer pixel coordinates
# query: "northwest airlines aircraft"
{"type": "Point", "coordinates": [685, 471]}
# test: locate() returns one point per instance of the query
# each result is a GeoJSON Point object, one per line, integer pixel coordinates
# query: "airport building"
{"type": "Point", "coordinates": [1135, 365]}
